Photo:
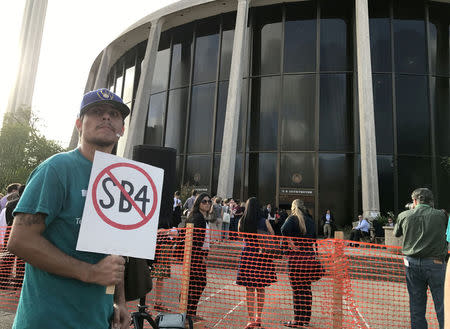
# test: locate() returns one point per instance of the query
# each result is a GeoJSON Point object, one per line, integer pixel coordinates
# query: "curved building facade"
{"type": "Point", "coordinates": [307, 72]}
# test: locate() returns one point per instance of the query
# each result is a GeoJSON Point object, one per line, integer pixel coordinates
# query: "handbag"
{"type": "Point", "coordinates": [226, 217]}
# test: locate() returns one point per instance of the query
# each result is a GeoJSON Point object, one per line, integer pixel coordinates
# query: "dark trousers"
{"type": "Point", "coordinates": [356, 235]}
{"type": "Point", "coordinates": [301, 290]}
{"type": "Point", "coordinates": [197, 284]}
{"type": "Point", "coordinates": [422, 273]}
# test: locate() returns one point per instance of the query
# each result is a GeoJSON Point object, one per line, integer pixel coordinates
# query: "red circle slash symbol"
{"type": "Point", "coordinates": [145, 218]}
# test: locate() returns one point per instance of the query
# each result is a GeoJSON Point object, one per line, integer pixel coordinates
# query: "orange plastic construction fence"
{"type": "Point", "coordinates": [233, 278]}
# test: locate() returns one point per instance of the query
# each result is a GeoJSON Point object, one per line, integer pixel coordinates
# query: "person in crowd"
{"type": "Point", "coordinates": [425, 250]}
{"type": "Point", "coordinates": [197, 283]}
{"type": "Point", "coordinates": [256, 268]}
{"type": "Point", "coordinates": [10, 259]}
{"type": "Point", "coordinates": [300, 225]}
{"type": "Point", "coordinates": [280, 217]}
{"type": "Point", "coordinates": [189, 203]}
{"type": "Point", "coordinates": [327, 222]}
{"type": "Point", "coordinates": [390, 222]}
{"type": "Point", "coordinates": [362, 229]}
{"type": "Point", "coordinates": [269, 212]}
{"type": "Point", "coordinates": [237, 212]}
{"type": "Point", "coordinates": [177, 205]}
{"type": "Point", "coordinates": [10, 189]}
{"type": "Point", "coordinates": [217, 213]}
{"type": "Point", "coordinates": [64, 286]}
{"type": "Point", "coordinates": [226, 219]}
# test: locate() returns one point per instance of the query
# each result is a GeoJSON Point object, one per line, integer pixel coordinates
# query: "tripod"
{"type": "Point", "coordinates": [137, 318]}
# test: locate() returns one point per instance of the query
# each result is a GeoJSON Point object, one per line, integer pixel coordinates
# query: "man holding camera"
{"type": "Point", "coordinates": [425, 251]}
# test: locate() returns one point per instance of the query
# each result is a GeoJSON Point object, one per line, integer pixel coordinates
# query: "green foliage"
{"type": "Point", "coordinates": [383, 219]}
{"type": "Point", "coordinates": [22, 147]}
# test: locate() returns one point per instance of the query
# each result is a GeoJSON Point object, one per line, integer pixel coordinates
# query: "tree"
{"type": "Point", "coordinates": [22, 147]}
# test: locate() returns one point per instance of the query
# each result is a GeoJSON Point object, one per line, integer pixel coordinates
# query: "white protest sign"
{"type": "Point", "coordinates": [122, 206]}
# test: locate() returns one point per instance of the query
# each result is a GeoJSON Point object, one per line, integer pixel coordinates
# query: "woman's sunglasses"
{"type": "Point", "coordinates": [206, 201]}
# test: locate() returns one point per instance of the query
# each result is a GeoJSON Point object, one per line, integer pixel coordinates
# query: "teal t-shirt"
{"type": "Point", "coordinates": [58, 189]}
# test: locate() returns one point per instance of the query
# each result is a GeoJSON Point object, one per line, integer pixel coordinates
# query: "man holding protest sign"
{"type": "Point", "coordinates": [63, 287]}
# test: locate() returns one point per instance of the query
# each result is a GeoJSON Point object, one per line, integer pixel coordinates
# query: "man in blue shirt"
{"type": "Point", "coordinates": [362, 229]}
{"type": "Point", "coordinates": [63, 287]}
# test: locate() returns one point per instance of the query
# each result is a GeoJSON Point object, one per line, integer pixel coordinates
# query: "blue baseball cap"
{"type": "Point", "coordinates": [103, 96]}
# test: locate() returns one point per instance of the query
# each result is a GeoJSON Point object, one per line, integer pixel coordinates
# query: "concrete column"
{"type": "Point", "coordinates": [369, 172]}
{"type": "Point", "coordinates": [102, 74]}
{"type": "Point", "coordinates": [230, 134]}
{"type": "Point", "coordinates": [30, 48]}
{"type": "Point", "coordinates": [140, 109]}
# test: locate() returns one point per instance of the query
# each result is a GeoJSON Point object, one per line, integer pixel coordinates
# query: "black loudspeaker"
{"type": "Point", "coordinates": [165, 158]}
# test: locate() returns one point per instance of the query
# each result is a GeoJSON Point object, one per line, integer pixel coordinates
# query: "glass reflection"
{"type": "Point", "coordinates": [380, 35]}
{"type": "Point", "coordinates": [440, 96]}
{"type": "Point", "coordinates": [439, 42]}
{"type": "Point", "coordinates": [176, 119]}
{"type": "Point", "coordinates": [336, 33]}
{"type": "Point", "coordinates": [161, 70]}
{"type": "Point", "coordinates": [155, 119]}
{"type": "Point", "coordinates": [206, 50]}
{"type": "Point", "coordinates": [181, 56]}
{"type": "Point", "coordinates": [297, 170]}
{"type": "Point", "coordinates": [129, 84]}
{"type": "Point", "coordinates": [385, 166]}
{"type": "Point", "coordinates": [336, 113]}
{"type": "Point", "coordinates": [298, 108]}
{"type": "Point", "coordinates": [336, 186]}
{"type": "Point", "coordinates": [266, 39]}
{"type": "Point", "coordinates": [220, 116]}
{"type": "Point", "coordinates": [201, 115]}
{"type": "Point", "coordinates": [198, 170]}
{"type": "Point", "coordinates": [408, 178]}
{"type": "Point", "coordinates": [300, 38]}
{"type": "Point", "coordinates": [409, 37]}
{"type": "Point", "coordinates": [413, 116]}
{"type": "Point", "coordinates": [261, 173]}
{"type": "Point", "coordinates": [263, 123]}
{"type": "Point", "coordinates": [229, 22]}
{"type": "Point", "coordinates": [382, 106]}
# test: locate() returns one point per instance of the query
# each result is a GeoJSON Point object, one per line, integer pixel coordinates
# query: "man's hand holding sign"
{"type": "Point", "coordinates": [121, 212]}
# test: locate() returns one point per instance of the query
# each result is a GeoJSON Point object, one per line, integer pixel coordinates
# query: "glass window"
{"type": "Point", "coordinates": [439, 38]}
{"type": "Point", "coordinates": [266, 39]}
{"type": "Point", "coordinates": [161, 70]}
{"type": "Point", "coordinates": [298, 108]}
{"type": "Point", "coordinates": [413, 116]}
{"type": "Point", "coordinates": [179, 172]}
{"type": "Point", "coordinates": [300, 37]}
{"type": "Point", "coordinates": [220, 116]}
{"type": "Point", "coordinates": [261, 171]}
{"type": "Point", "coordinates": [297, 170]}
{"type": "Point", "coordinates": [129, 83]}
{"type": "Point", "coordinates": [336, 113]}
{"type": "Point", "coordinates": [413, 172]}
{"type": "Point", "coordinates": [336, 186]}
{"type": "Point", "coordinates": [206, 50]}
{"type": "Point", "coordinates": [229, 22]}
{"type": "Point", "coordinates": [385, 165]}
{"type": "Point", "coordinates": [336, 35]}
{"type": "Point", "coordinates": [263, 121]}
{"type": "Point", "coordinates": [119, 84]}
{"type": "Point", "coordinates": [155, 120]}
{"type": "Point", "coordinates": [380, 35]}
{"type": "Point", "coordinates": [176, 119]}
{"type": "Point", "coordinates": [200, 122]}
{"type": "Point", "coordinates": [181, 56]}
{"type": "Point", "coordinates": [198, 170]}
{"type": "Point", "coordinates": [444, 182]}
{"type": "Point", "coordinates": [440, 95]}
{"type": "Point", "coordinates": [382, 106]}
{"type": "Point", "coordinates": [409, 36]}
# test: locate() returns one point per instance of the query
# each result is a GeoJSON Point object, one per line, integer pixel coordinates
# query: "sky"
{"type": "Point", "coordinates": [75, 32]}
